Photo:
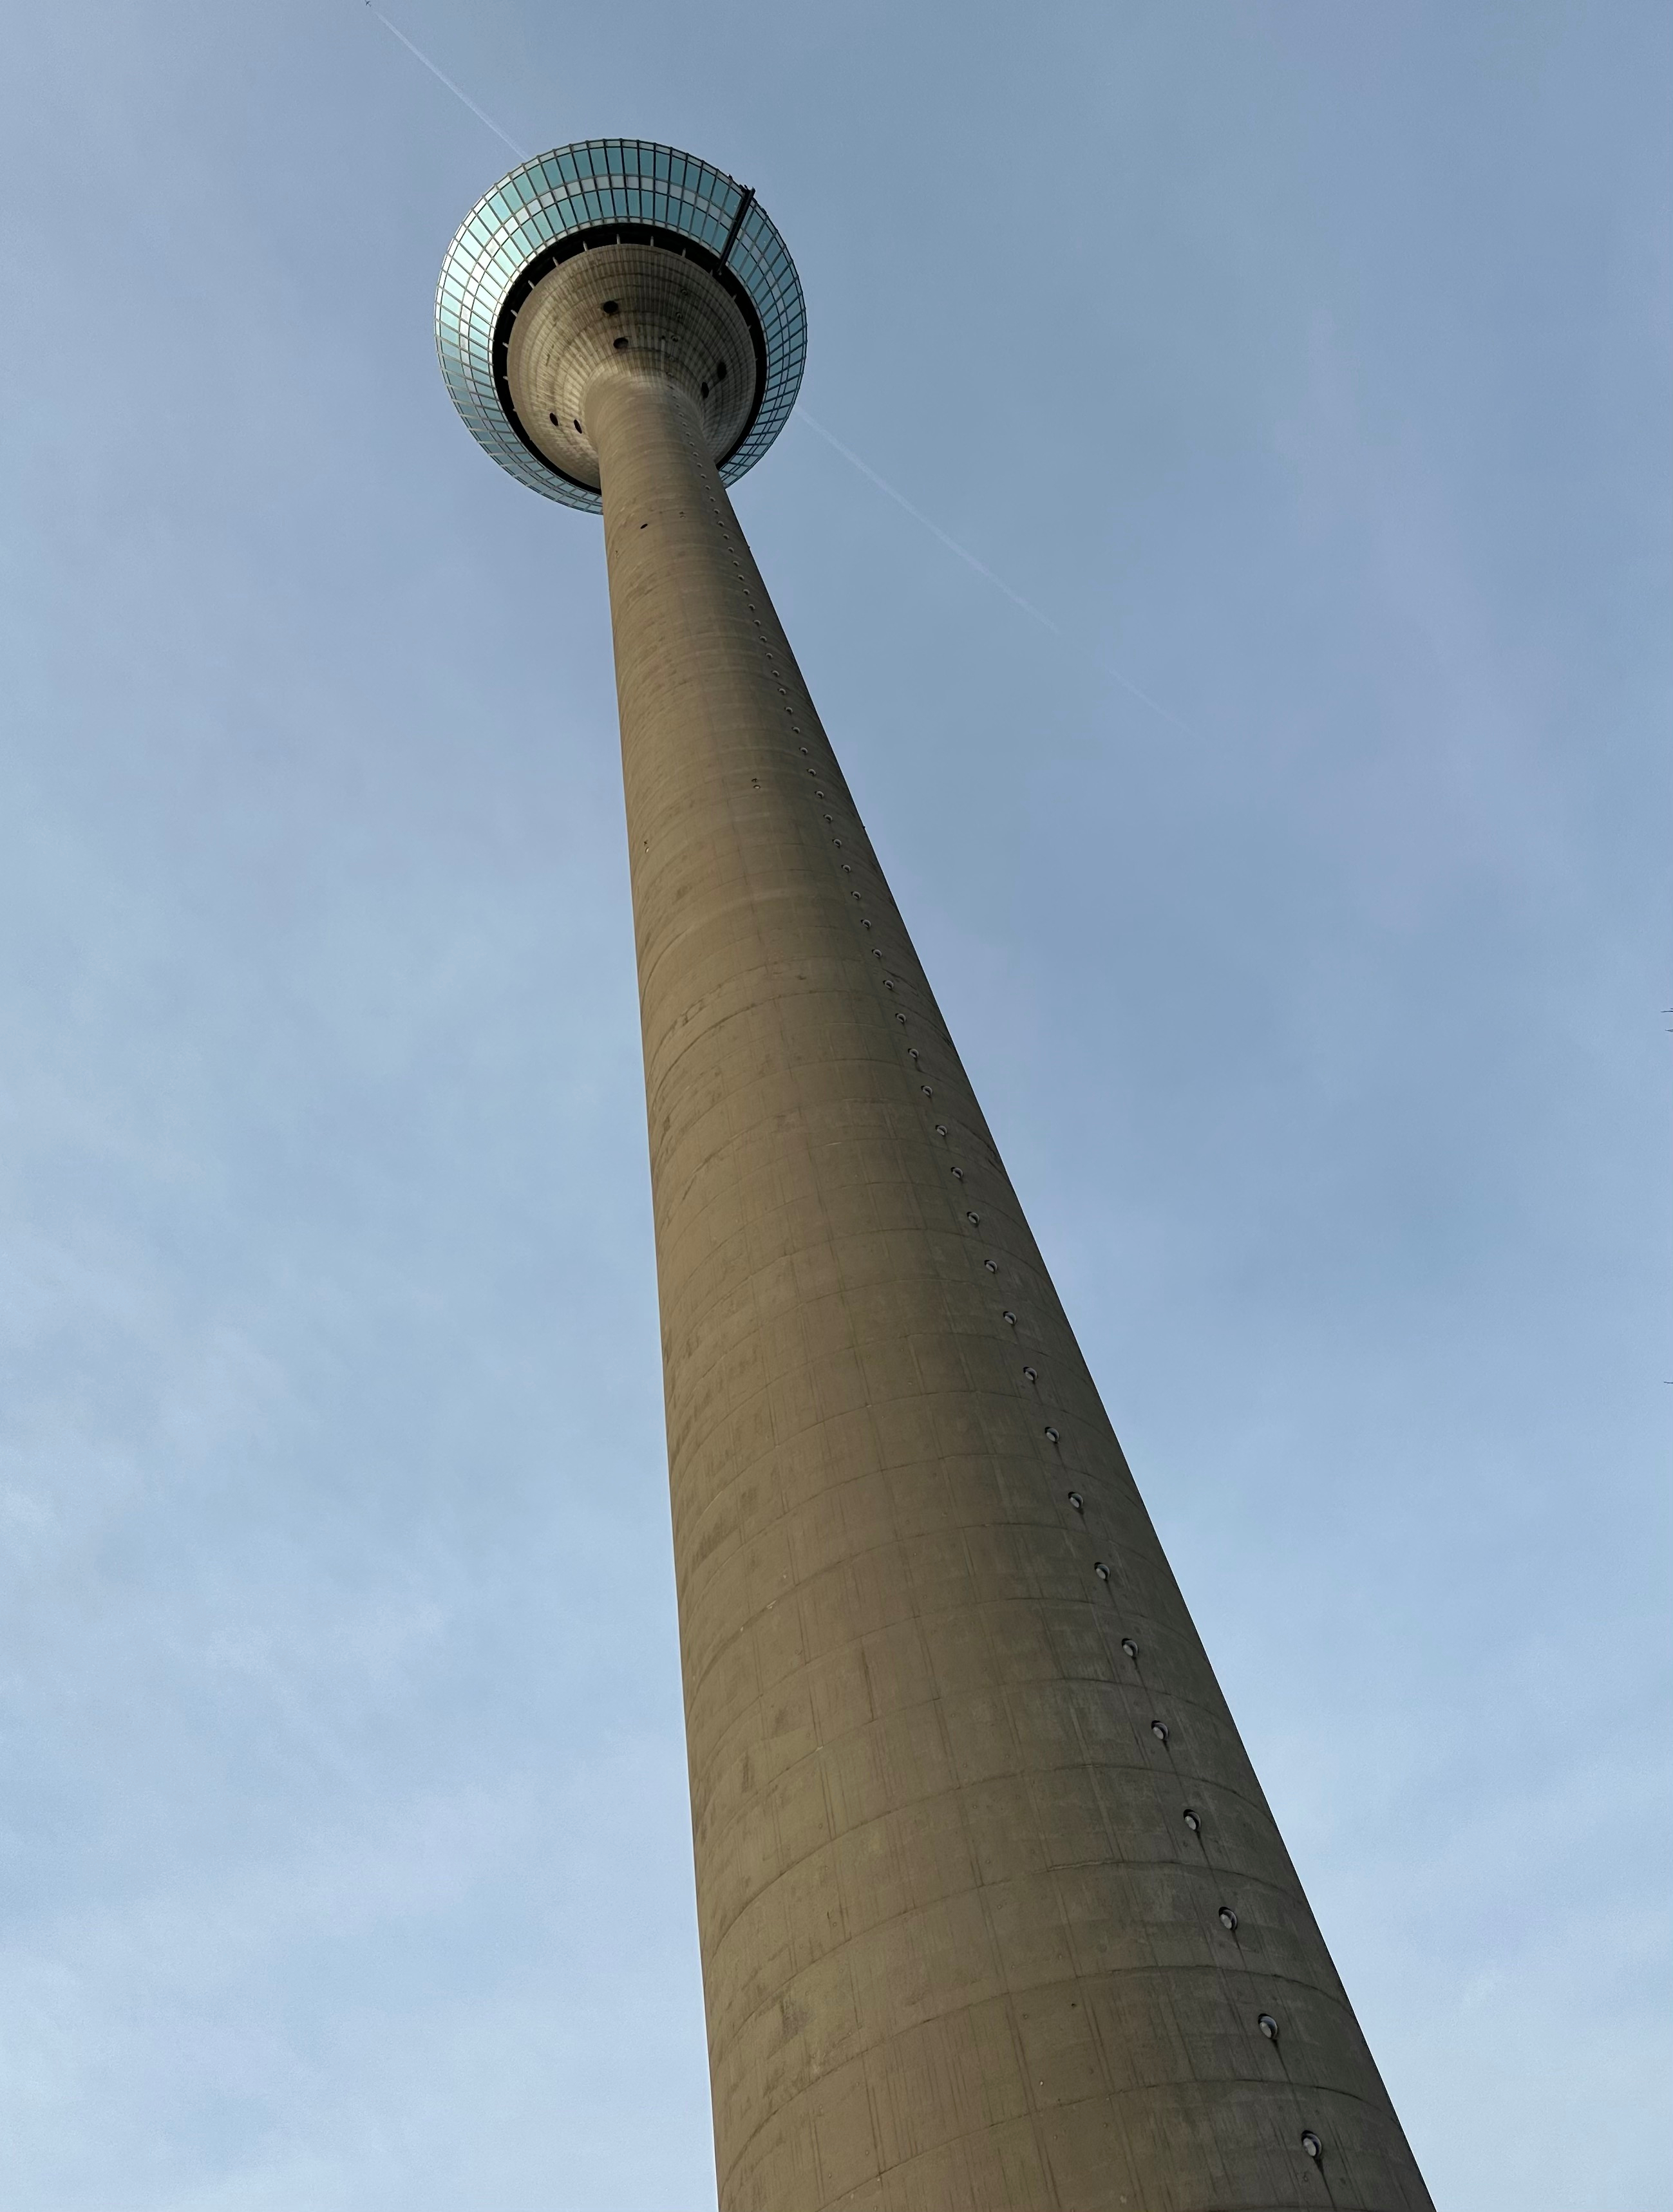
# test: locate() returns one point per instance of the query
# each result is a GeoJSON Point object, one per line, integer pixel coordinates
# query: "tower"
{"type": "Point", "coordinates": [993, 1913]}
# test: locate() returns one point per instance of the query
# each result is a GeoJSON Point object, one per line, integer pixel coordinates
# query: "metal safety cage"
{"type": "Point", "coordinates": [613, 187]}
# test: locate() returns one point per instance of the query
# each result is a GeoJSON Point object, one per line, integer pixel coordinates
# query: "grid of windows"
{"type": "Point", "coordinates": [593, 185]}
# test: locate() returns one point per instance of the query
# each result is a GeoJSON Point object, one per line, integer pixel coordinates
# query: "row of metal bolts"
{"type": "Point", "coordinates": [1266, 2022]}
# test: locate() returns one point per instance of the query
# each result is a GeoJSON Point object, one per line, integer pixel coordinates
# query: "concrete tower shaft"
{"type": "Point", "coordinates": [970, 1816]}
{"type": "Point", "coordinates": [994, 1914]}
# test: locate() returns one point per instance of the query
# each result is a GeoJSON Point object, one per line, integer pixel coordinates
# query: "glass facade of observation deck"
{"type": "Point", "coordinates": [597, 185]}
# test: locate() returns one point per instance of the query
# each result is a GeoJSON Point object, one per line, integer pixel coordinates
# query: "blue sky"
{"type": "Point", "coordinates": [1307, 363]}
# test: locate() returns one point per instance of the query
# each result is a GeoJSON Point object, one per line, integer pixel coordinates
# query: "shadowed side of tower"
{"type": "Point", "coordinates": [992, 1912]}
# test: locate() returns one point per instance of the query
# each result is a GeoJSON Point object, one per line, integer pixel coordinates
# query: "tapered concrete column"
{"type": "Point", "coordinates": [991, 1904]}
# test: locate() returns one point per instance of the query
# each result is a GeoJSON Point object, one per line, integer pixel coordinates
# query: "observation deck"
{"type": "Point", "coordinates": [607, 248]}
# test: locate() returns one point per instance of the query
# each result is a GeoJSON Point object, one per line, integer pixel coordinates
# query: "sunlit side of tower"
{"type": "Point", "coordinates": [994, 1914]}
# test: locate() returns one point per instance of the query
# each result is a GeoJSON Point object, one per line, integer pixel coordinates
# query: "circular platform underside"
{"type": "Point", "coordinates": [635, 307]}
